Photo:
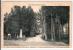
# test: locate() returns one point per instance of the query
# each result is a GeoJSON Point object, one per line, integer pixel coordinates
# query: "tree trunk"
{"type": "Point", "coordinates": [20, 33]}
{"type": "Point", "coordinates": [44, 27]}
{"type": "Point", "coordinates": [52, 30]}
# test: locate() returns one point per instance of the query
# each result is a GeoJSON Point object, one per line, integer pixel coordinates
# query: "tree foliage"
{"type": "Point", "coordinates": [19, 18]}
{"type": "Point", "coordinates": [55, 18]}
{"type": "Point", "coordinates": [61, 11]}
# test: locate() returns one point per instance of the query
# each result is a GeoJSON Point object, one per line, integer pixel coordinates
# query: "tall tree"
{"type": "Point", "coordinates": [12, 24]}
{"type": "Point", "coordinates": [19, 21]}
{"type": "Point", "coordinates": [60, 13]}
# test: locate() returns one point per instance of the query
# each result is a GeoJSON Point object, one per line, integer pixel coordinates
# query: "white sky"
{"type": "Point", "coordinates": [6, 6]}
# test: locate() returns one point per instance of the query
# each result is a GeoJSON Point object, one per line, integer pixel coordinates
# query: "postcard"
{"type": "Point", "coordinates": [43, 24]}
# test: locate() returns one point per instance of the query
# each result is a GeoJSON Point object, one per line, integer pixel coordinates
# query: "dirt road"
{"type": "Point", "coordinates": [33, 42]}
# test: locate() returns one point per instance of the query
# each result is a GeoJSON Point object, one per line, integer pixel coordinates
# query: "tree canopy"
{"type": "Point", "coordinates": [19, 18]}
{"type": "Point", "coordinates": [61, 11]}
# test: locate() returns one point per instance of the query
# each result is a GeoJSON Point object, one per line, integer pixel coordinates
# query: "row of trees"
{"type": "Point", "coordinates": [52, 19]}
{"type": "Point", "coordinates": [55, 17]}
{"type": "Point", "coordinates": [19, 18]}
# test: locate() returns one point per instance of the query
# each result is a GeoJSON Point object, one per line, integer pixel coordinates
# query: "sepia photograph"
{"type": "Point", "coordinates": [35, 24]}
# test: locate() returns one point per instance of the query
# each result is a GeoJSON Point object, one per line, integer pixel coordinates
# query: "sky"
{"type": "Point", "coordinates": [6, 6]}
